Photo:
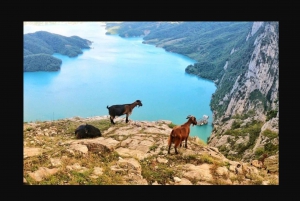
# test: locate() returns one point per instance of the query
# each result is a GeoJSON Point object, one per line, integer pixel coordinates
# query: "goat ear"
{"type": "Point", "coordinates": [188, 116]}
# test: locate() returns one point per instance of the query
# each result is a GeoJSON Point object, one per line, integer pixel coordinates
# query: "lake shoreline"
{"type": "Point", "coordinates": [85, 85]}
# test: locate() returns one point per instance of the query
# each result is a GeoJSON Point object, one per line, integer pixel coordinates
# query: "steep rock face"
{"type": "Point", "coordinates": [255, 91]}
{"type": "Point", "coordinates": [261, 77]}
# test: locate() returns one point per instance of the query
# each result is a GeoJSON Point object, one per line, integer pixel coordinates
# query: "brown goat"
{"type": "Point", "coordinates": [119, 110]}
{"type": "Point", "coordinates": [181, 133]}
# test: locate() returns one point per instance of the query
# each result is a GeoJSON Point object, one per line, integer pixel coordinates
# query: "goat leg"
{"type": "Point", "coordinates": [176, 152]}
{"type": "Point", "coordinates": [177, 143]}
{"type": "Point", "coordinates": [111, 120]}
{"type": "Point", "coordinates": [169, 149]}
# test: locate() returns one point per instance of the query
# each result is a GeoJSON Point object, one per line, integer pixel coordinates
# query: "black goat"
{"type": "Point", "coordinates": [87, 131]}
{"type": "Point", "coordinates": [119, 110]}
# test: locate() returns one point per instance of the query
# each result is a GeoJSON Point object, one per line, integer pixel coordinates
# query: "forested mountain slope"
{"type": "Point", "coordinates": [242, 58]}
{"type": "Point", "coordinates": [39, 47]}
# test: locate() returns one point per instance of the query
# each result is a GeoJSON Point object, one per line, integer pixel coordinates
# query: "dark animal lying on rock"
{"type": "Point", "coordinates": [181, 133]}
{"type": "Point", "coordinates": [87, 131]}
{"type": "Point", "coordinates": [119, 110]}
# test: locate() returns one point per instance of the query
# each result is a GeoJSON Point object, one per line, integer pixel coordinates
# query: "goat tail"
{"type": "Point", "coordinates": [107, 107]}
{"type": "Point", "coordinates": [172, 134]}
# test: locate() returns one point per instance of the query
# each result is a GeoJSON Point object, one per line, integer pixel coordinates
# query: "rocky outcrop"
{"type": "Point", "coordinates": [255, 92]}
{"type": "Point", "coordinates": [128, 154]}
{"type": "Point", "coordinates": [261, 77]}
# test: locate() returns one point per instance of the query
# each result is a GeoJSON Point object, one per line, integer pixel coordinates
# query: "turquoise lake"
{"type": "Point", "coordinates": [116, 71]}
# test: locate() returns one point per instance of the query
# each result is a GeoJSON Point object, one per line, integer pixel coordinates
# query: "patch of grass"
{"type": "Point", "coordinates": [219, 182]}
{"type": "Point", "coordinates": [252, 129]}
{"type": "Point", "coordinates": [163, 174]}
{"type": "Point", "coordinates": [237, 178]}
{"type": "Point", "coordinates": [29, 129]}
{"type": "Point", "coordinates": [205, 158]}
{"type": "Point", "coordinates": [244, 116]}
{"type": "Point", "coordinates": [109, 157]}
{"type": "Point", "coordinates": [236, 124]}
{"type": "Point", "coordinates": [223, 148]}
{"type": "Point", "coordinates": [101, 124]}
{"type": "Point", "coordinates": [74, 177]}
{"type": "Point", "coordinates": [235, 132]}
{"type": "Point", "coordinates": [259, 152]}
{"type": "Point", "coordinates": [153, 147]}
{"type": "Point", "coordinates": [271, 148]}
{"type": "Point", "coordinates": [271, 114]}
{"type": "Point", "coordinates": [270, 134]}
{"type": "Point", "coordinates": [255, 180]}
{"type": "Point", "coordinates": [80, 177]}
{"type": "Point", "coordinates": [226, 164]}
{"type": "Point", "coordinates": [109, 178]}
{"type": "Point", "coordinates": [191, 157]}
{"type": "Point", "coordinates": [33, 163]}
{"type": "Point", "coordinates": [233, 158]}
{"type": "Point", "coordinates": [171, 125]}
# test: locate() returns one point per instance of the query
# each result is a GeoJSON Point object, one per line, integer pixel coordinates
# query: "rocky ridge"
{"type": "Point", "coordinates": [130, 154]}
{"type": "Point", "coordinates": [255, 91]}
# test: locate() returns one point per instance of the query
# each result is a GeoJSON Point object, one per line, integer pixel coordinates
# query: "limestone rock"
{"type": "Point", "coordinates": [42, 172]}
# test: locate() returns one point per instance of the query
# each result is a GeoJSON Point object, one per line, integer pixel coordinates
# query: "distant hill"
{"type": "Point", "coordinates": [39, 47]}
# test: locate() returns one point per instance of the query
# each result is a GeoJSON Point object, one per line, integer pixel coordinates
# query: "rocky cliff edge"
{"type": "Point", "coordinates": [130, 154]}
